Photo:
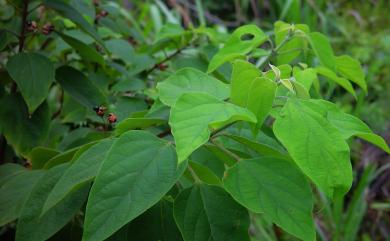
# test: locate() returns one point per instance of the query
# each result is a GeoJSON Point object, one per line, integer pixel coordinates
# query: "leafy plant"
{"type": "Point", "coordinates": [191, 133]}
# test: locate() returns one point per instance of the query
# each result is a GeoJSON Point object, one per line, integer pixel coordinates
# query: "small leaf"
{"type": "Point", "coordinates": [276, 188]}
{"type": "Point", "coordinates": [14, 194]}
{"type": "Point", "coordinates": [339, 80]}
{"type": "Point", "coordinates": [86, 52]}
{"type": "Point", "coordinates": [205, 174]}
{"type": "Point", "coordinates": [121, 49]}
{"type": "Point", "coordinates": [287, 83]}
{"type": "Point", "coordinates": [323, 50]}
{"type": "Point", "coordinates": [70, 12]}
{"type": "Point", "coordinates": [22, 131]}
{"type": "Point", "coordinates": [251, 91]}
{"type": "Point", "coordinates": [237, 46]}
{"type": "Point", "coordinates": [79, 87]}
{"type": "Point", "coordinates": [316, 146]}
{"type": "Point", "coordinates": [190, 80]}
{"type": "Point", "coordinates": [34, 74]}
{"type": "Point", "coordinates": [194, 113]}
{"type": "Point", "coordinates": [206, 212]}
{"type": "Point", "coordinates": [292, 48]}
{"type": "Point", "coordinates": [40, 155]}
{"type": "Point", "coordinates": [32, 225]}
{"type": "Point", "coordinates": [305, 77]}
{"type": "Point", "coordinates": [351, 69]}
{"type": "Point", "coordinates": [135, 123]}
{"type": "Point", "coordinates": [139, 169]}
{"type": "Point", "coordinates": [79, 174]}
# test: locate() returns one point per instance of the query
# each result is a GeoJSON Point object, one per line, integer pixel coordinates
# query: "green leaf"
{"type": "Point", "coordinates": [351, 69]}
{"type": "Point", "coordinates": [157, 224]}
{"type": "Point", "coordinates": [79, 174]}
{"type": "Point", "coordinates": [70, 12]}
{"type": "Point", "coordinates": [237, 46]}
{"type": "Point", "coordinates": [278, 189]}
{"type": "Point", "coordinates": [339, 80]}
{"type": "Point", "coordinates": [34, 74]}
{"type": "Point", "coordinates": [121, 49]}
{"type": "Point", "coordinates": [316, 146]}
{"type": "Point", "coordinates": [294, 47]}
{"type": "Point", "coordinates": [14, 194]}
{"type": "Point", "coordinates": [139, 169]}
{"type": "Point", "coordinates": [348, 125]}
{"type": "Point", "coordinates": [8, 170]}
{"type": "Point", "coordinates": [190, 80]}
{"type": "Point", "coordinates": [263, 148]}
{"type": "Point", "coordinates": [79, 87]}
{"type": "Point", "coordinates": [134, 123]}
{"type": "Point", "coordinates": [323, 50]}
{"type": "Point", "coordinates": [251, 91]}
{"type": "Point", "coordinates": [67, 156]}
{"type": "Point", "coordinates": [305, 77]}
{"type": "Point", "coordinates": [205, 212]}
{"type": "Point", "coordinates": [194, 113]}
{"type": "Point", "coordinates": [205, 174]}
{"type": "Point", "coordinates": [22, 131]}
{"type": "Point", "coordinates": [32, 225]}
{"type": "Point", "coordinates": [40, 155]}
{"type": "Point", "coordinates": [86, 52]}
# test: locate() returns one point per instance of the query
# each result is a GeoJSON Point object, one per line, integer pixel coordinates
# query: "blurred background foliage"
{"type": "Point", "coordinates": [360, 28]}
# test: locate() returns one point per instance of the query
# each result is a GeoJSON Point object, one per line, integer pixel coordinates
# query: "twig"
{"type": "Point", "coordinates": [22, 36]}
{"type": "Point", "coordinates": [222, 128]}
{"type": "Point", "coordinates": [276, 49]}
{"type": "Point", "coordinates": [58, 112]}
{"type": "Point", "coordinates": [165, 60]}
{"type": "Point", "coordinates": [226, 151]}
{"type": "Point", "coordinates": [193, 174]}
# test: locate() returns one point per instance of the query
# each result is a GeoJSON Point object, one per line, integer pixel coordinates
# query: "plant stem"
{"type": "Point", "coordinates": [165, 60]}
{"type": "Point", "coordinates": [193, 174]}
{"type": "Point", "coordinates": [22, 36]}
{"type": "Point", "coordinates": [222, 128]}
{"type": "Point", "coordinates": [226, 151]}
{"type": "Point", "coordinates": [274, 51]}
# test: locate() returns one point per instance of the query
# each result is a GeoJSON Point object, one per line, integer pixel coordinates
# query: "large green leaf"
{"type": "Point", "coordinates": [157, 224]}
{"type": "Point", "coordinates": [22, 131]}
{"type": "Point", "coordinates": [251, 91]}
{"type": "Point", "coordinates": [33, 226]}
{"type": "Point", "coordinates": [348, 125]}
{"type": "Point", "coordinates": [139, 169]}
{"type": "Point", "coordinates": [237, 46]}
{"type": "Point", "coordinates": [206, 212]}
{"type": "Point", "coordinates": [190, 80]}
{"type": "Point", "coordinates": [351, 69]}
{"type": "Point", "coordinates": [278, 189]}
{"type": "Point", "coordinates": [322, 48]}
{"type": "Point", "coordinates": [9, 170]}
{"type": "Point", "coordinates": [194, 113]}
{"type": "Point", "coordinates": [306, 77]}
{"type": "Point", "coordinates": [316, 146]}
{"type": "Point", "coordinates": [343, 82]}
{"type": "Point", "coordinates": [79, 174]}
{"type": "Point", "coordinates": [34, 74]}
{"type": "Point", "coordinates": [14, 194]}
{"type": "Point", "coordinates": [77, 85]}
{"type": "Point", "coordinates": [86, 52]}
{"type": "Point", "coordinates": [70, 12]}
